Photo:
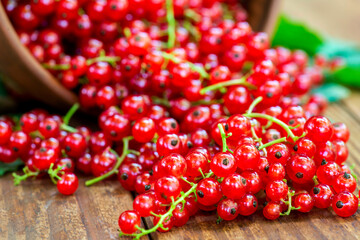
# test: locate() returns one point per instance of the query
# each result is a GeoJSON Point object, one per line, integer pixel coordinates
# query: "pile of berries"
{"type": "Point", "coordinates": [198, 112]}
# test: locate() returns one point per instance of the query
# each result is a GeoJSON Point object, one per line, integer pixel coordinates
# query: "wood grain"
{"type": "Point", "coordinates": [35, 210]}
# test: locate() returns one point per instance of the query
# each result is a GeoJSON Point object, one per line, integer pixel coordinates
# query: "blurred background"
{"type": "Point", "coordinates": [334, 18]}
{"type": "Point", "coordinates": [326, 27]}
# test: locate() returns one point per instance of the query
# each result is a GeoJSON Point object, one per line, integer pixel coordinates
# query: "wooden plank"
{"type": "Point", "coordinates": [319, 224]}
{"type": "Point", "coordinates": [35, 210]}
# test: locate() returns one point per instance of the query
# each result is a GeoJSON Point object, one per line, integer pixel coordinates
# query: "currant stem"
{"type": "Point", "coordinates": [56, 67]}
{"type": "Point", "coordinates": [111, 60]}
{"type": "Point", "coordinates": [120, 159]}
{"type": "Point", "coordinates": [160, 101]}
{"type": "Point", "coordinates": [274, 120]}
{"type": "Point", "coordinates": [280, 140]}
{"type": "Point", "coordinates": [68, 128]}
{"type": "Point", "coordinates": [289, 203]}
{"type": "Point", "coordinates": [27, 173]}
{"type": "Point", "coordinates": [253, 104]}
{"type": "Point", "coordinates": [253, 133]}
{"type": "Point", "coordinates": [192, 15]}
{"type": "Point", "coordinates": [223, 137]}
{"type": "Point", "coordinates": [193, 67]}
{"type": "Point", "coordinates": [217, 86]}
{"type": "Point", "coordinates": [53, 173]}
{"type": "Point", "coordinates": [167, 214]}
{"type": "Point", "coordinates": [171, 24]}
{"type": "Point", "coordinates": [70, 113]}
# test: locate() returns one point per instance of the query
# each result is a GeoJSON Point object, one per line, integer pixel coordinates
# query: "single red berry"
{"type": "Point", "coordinates": [323, 195]}
{"type": "Point", "coordinates": [223, 164]}
{"type": "Point", "coordinates": [234, 186]}
{"type": "Point", "coordinates": [129, 221]}
{"type": "Point", "coordinates": [68, 184]}
{"type": "Point", "coordinates": [227, 209]}
{"type": "Point", "coordinates": [208, 192]}
{"type": "Point", "coordinates": [319, 129]}
{"type": "Point", "coordinates": [304, 201]}
{"type": "Point", "coordinates": [272, 210]}
{"type": "Point", "coordinates": [345, 204]}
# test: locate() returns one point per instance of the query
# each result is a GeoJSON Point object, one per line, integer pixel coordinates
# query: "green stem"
{"type": "Point", "coordinates": [68, 128]}
{"type": "Point", "coordinates": [192, 30]}
{"type": "Point", "coordinates": [108, 59]}
{"type": "Point", "coordinates": [289, 203]}
{"type": "Point", "coordinates": [253, 104]}
{"type": "Point", "coordinates": [27, 173]}
{"type": "Point", "coordinates": [193, 67]}
{"type": "Point", "coordinates": [223, 137]}
{"type": "Point", "coordinates": [274, 120]}
{"type": "Point", "coordinates": [272, 143]}
{"type": "Point", "coordinates": [160, 101]}
{"type": "Point", "coordinates": [167, 214]}
{"type": "Point", "coordinates": [70, 113]}
{"type": "Point", "coordinates": [257, 139]}
{"type": "Point", "coordinates": [120, 159]}
{"type": "Point", "coordinates": [56, 67]}
{"type": "Point", "coordinates": [217, 86]}
{"type": "Point", "coordinates": [171, 24]}
{"type": "Point", "coordinates": [53, 173]}
{"type": "Point", "coordinates": [127, 32]}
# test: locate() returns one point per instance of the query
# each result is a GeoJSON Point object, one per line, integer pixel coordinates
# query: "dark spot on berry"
{"type": "Point", "coordinates": [63, 15]}
{"type": "Point", "coordinates": [336, 125]}
{"type": "Point", "coordinates": [137, 38]}
{"type": "Point", "coordinates": [93, 95]}
{"type": "Point", "coordinates": [113, 7]}
{"type": "Point", "coordinates": [139, 110]}
{"type": "Point", "coordinates": [243, 180]}
{"type": "Point", "coordinates": [162, 85]}
{"type": "Point", "coordinates": [316, 190]}
{"type": "Point", "coordinates": [124, 176]}
{"type": "Point", "coordinates": [163, 196]}
{"type": "Point", "coordinates": [296, 148]}
{"type": "Point", "coordinates": [113, 133]}
{"type": "Point", "coordinates": [67, 148]}
{"type": "Point", "coordinates": [267, 168]}
{"type": "Point", "coordinates": [292, 121]}
{"type": "Point", "coordinates": [74, 66]}
{"type": "Point", "coordinates": [257, 147]}
{"type": "Point", "coordinates": [43, 150]}
{"type": "Point", "coordinates": [275, 136]}
{"type": "Point", "coordinates": [196, 113]}
{"type": "Point", "coordinates": [339, 204]}
{"type": "Point", "coordinates": [218, 41]}
{"type": "Point", "coordinates": [225, 161]}
{"type": "Point", "coordinates": [189, 144]}
{"type": "Point", "coordinates": [48, 127]}
{"type": "Point", "coordinates": [15, 149]}
{"type": "Point", "coordinates": [174, 142]}
{"type": "Point", "coordinates": [278, 155]}
{"type": "Point", "coordinates": [147, 187]}
{"type": "Point", "coordinates": [151, 172]}
{"type": "Point", "coordinates": [236, 55]}
{"type": "Point", "coordinates": [127, 68]}
{"type": "Point", "coordinates": [173, 125]}
{"type": "Point", "coordinates": [323, 162]}
{"type": "Point", "coordinates": [269, 95]}
{"type": "Point", "coordinates": [233, 211]}
{"type": "Point", "coordinates": [68, 165]}
{"type": "Point", "coordinates": [265, 203]}
{"type": "Point", "coordinates": [102, 32]}
{"type": "Point", "coordinates": [346, 175]}
{"type": "Point", "coordinates": [254, 204]}
{"type": "Point", "coordinates": [299, 175]}
{"type": "Point", "coordinates": [80, 26]}
{"type": "Point", "coordinates": [200, 193]}
{"type": "Point", "coordinates": [226, 127]}
{"type": "Point", "coordinates": [171, 76]}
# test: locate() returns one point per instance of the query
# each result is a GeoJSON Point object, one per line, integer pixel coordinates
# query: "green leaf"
{"type": "Point", "coordinates": [332, 91]}
{"type": "Point", "coordinates": [10, 167]}
{"type": "Point", "coordinates": [296, 35]}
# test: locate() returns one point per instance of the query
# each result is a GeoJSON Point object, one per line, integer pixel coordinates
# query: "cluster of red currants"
{"type": "Point", "coordinates": [198, 112]}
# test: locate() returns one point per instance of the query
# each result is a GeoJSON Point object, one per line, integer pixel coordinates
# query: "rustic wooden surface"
{"type": "Point", "coordinates": [35, 210]}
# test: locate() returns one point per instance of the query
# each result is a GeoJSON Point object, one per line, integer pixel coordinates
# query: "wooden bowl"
{"type": "Point", "coordinates": [25, 75]}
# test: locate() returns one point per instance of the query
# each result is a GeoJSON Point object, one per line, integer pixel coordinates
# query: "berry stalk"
{"type": "Point", "coordinates": [217, 86]}
{"type": "Point", "coordinates": [120, 159]}
{"type": "Point", "coordinates": [167, 214]}
{"type": "Point", "coordinates": [171, 24]}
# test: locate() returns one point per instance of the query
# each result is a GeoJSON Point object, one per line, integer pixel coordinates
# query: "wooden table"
{"type": "Point", "coordinates": [35, 210]}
